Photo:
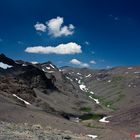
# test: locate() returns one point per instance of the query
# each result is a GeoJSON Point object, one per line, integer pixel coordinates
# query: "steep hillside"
{"type": "Point", "coordinates": [82, 100]}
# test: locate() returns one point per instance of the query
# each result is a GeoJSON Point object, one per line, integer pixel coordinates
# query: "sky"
{"type": "Point", "coordinates": [80, 33]}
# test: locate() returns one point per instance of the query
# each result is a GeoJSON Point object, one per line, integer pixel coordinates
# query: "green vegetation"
{"type": "Point", "coordinates": [118, 78]}
{"type": "Point", "coordinates": [120, 96]}
{"type": "Point", "coordinates": [86, 109]}
{"type": "Point", "coordinates": [94, 126]}
{"type": "Point", "coordinates": [107, 103]}
{"type": "Point", "coordinates": [92, 117]}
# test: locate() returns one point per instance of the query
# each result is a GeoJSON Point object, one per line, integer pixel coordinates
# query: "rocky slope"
{"type": "Point", "coordinates": [86, 101]}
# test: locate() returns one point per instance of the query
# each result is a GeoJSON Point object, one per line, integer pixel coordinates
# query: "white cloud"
{"type": "Point", "coordinates": [75, 62]}
{"type": "Point", "coordinates": [56, 29]}
{"type": "Point", "coordinates": [79, 63]}
{"type": "Point", "coordinates": [69, 48]}
{"type": "Point", "coordinates": [93, 62]}
{"type": "Point", "coordinates": [40, 27]}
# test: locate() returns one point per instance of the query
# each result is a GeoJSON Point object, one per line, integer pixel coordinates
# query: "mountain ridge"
{"type": "Point", "coordinates": [80, 97]}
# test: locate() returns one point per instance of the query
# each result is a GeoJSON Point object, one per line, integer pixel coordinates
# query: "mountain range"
{"type": "Point", "coordinates": [94, 104]}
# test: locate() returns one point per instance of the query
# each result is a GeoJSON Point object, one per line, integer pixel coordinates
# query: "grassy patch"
{"type": "Point", "coordinates": [118, 78]}
{"type": "Point", "coordinates": [108, 104]}
{"type": "Point", "coordinates": [92, 117]}
{"type": "Point", "coordinates": [120, 96]}
{"type": "Point", "coordinates": [86, 109]}
{"type": "Point", "coordinates": [94, 126]}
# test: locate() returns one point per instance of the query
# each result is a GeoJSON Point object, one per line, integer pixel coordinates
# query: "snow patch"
{"type": "Point", "coordinates": [5, 66]}
{"type": "Point", "coordinates": [91, 92]}
{"type": "Point", "coordinates": [79, 73]}
{"type": "Point", "coordinates": [52, 66]}
{"type": "Point", "coordinates": [48, 68]}
{"type": "Point", "coordinates": [109, 81]}
{"type": "Point", "coordinates": [83, 88]}
{"type": "Point", "coordinates": [24, 65]}
{"type": "Point", "coordinates": [137, 72]}
{"type": "Point", "coordinates": [76, 79]}
{"type": "Point", "coordinates": [108, 105]}
{"type": "Point", "coordinates": [92, 136]}
{"type": "Point", "coordinates": [130, 68]}
{"type": "Point", "coordinates": [79, 81]}
{"type": "Point", "coordinates": [103, 120]}
{"type": "Point", "coordinates": [96, 100]}
{"type": "Point", "coordinates": [21, 99]}
{"type": "Point", "coordinates": [34, 62]}
{"type": "Point", "coordinates": [69, 78]}
{"type": "Point", "coordinates": [88, 76]}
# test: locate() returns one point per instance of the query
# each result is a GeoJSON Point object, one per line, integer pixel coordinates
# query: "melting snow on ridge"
{"type": "Point", "coordinates": [130, 68]}
{"type": "Point", "coordinates": [34, 62]}
{"type": "Point", "coordinates": [104, 119]}
{"type": "Point", "coordinates": [48, 68]}
{"type": "Point", "coordinates": [96, 100]}
{"type": "Point", "coordinates": [79, 73]}
{"type": "Point", "coordinates": [4, 66]}
{"type": "Point", "coordinates": [76, 79]}
{"type": "Point", "coordinates": [69, 78]}
{"type": "Point", "coordinates": [91, 92]}
{"type": "Point", "coordinates": [79, 81]}
{"type": "Point", "coordinates": [88, 76]}
{"type": "Point", "coordinates": [92, 136]}
{"type": "Point", "coordinates": [52, 66]}
{"type": "Point", "coordinates": [24, 65]}
{"type": "Point", "coordinates": [21, 99]}
{"type": "Point", "coordinates": [137, 72]}
{"type": "Point", "coordinates": [83, 88]}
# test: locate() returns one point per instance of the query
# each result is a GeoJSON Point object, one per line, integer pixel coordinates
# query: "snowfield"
{"type": "Point", "coordinates": [83, 88]}
{"type": "Point", "coordinates": [21, 99]}
{"type": "Point", "coordinates": [92, 136]}
{"type": "Point", "coordinates": [96, 100]}
{"type": "Point", "coordinates": [103, 120]}
{"type": "Point", "coordinates": [5, 66]}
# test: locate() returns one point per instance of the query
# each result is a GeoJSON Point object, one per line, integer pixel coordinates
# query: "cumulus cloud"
{"type": "Point", "coordinates": [40, 27]}
{"type": "Point", "coordinates": [56, 28]}
{"type": "Point", "coordinates": [93, 62]}
{"type": "Point", "coordinates": [69, 48]}
{"type": "Point", "coordinates": [79, 63]}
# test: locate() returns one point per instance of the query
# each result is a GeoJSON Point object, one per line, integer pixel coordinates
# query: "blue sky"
{"type": "Point", "coordinates": [95, 33]}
